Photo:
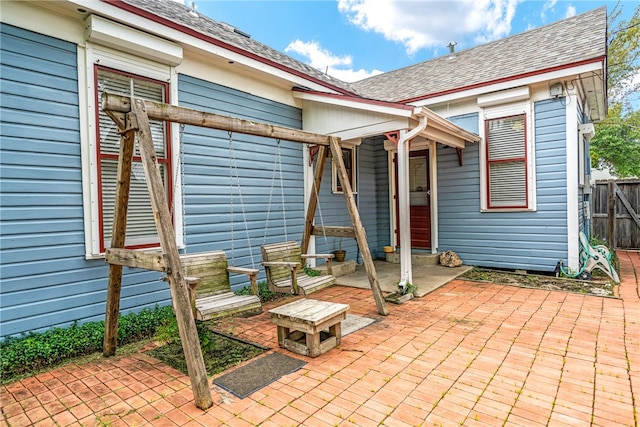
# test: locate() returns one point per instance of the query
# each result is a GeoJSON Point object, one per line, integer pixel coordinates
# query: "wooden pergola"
{"type": "Point", "coordinates": [132, 116]}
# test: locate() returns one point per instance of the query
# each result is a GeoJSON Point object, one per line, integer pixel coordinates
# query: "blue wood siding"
{"type": "Point", "coordinates": [371, 198]}
{"type": "Point", "coordinates": [46, 280]}
{"type": "Point", "coordinates": [382, 202]}
{"type": "Point", "coordinates": [533, 241]}
{"type": "Point", "coordinates": [214, 202]}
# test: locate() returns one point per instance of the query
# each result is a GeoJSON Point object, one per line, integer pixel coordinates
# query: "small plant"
{"type": "Point", "coordinates": [340, 253]}
{"type": "Point", "coordinates": [264, 292]}
{"type": "Point", "coordinates": [409, 289]}
{"type": "Point", "coordinates": [309, 271]}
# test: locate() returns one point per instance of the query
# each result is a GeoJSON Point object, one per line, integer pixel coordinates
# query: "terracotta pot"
{"type": "Point", "coordinates": [340, 255]}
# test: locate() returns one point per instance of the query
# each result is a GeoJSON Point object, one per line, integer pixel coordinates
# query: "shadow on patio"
{"type": "Point", "coordinates": [465, 354]}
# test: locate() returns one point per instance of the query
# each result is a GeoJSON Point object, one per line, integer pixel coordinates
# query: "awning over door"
{"type": "Point", "coordinates": [356, 118]}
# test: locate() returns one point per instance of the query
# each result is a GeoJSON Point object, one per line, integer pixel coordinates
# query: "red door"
{"type": "Point", "coordinates": [419, 201]}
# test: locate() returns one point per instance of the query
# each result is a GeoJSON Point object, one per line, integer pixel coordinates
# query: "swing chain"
{"type": "Point", "coordinates": [277, 167]}
{"type": "Point", "coordinates": [318, 205]}
{"type": "Point", "coordinates": [234, 167]}
{"type": "Point", "coordinates": [284, 216]}
{"type": "Point", "coordinates": [232, 164]}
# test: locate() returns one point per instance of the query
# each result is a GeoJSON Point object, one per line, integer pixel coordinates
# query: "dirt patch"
{"type": "Point", "coordinates": [601, 286]}
{"type": "Point", "coordinates": [220, 352]}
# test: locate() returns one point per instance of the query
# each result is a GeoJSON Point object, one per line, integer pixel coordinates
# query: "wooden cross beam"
{"type": "Point", "coordinates": [188, 116]}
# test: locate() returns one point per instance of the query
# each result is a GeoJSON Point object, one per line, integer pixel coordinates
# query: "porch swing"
{"type": "Point", "coordinates": [284, 263]}
{"type": "Point", "coordinates": [132, 116]}
{"type": "Point", "coordinates": [208, 273]}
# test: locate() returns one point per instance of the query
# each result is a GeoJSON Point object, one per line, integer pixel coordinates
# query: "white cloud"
{"type": "Point", "coordinates": [336, 66]}
{"type": "Point", "coordinates": [548, 6]}
{"type": "Point", "coordinates": [432, 23]}
{"type": "Point", "coordinates": [571, 11]}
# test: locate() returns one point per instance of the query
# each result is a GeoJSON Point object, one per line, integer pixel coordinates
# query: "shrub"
{"type": "Point", "coordinates": [32, 352]}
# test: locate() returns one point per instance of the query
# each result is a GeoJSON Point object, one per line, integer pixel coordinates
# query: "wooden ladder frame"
{"type": "Point", "coordinates": [132, 115]}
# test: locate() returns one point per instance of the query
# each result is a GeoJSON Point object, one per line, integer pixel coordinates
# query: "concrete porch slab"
{"type": "Point", "coordinates": [427, 278]}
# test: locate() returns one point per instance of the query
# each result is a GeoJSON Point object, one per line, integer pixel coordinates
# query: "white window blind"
{"type": "Point", "coordinates": [141, 228]}
{"type": "Point", "coordinates": [506, 162]}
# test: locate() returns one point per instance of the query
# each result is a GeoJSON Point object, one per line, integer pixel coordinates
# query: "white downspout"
{"type": "Point", "coordinates": [406, 274]}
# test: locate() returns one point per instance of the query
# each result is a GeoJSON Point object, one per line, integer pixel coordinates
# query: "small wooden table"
{"type": "Point", "coordinates": [301, 325]}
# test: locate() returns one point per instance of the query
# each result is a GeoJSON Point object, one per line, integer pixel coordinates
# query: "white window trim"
{"type": "Point", "coordinates": [505, 110]}
{"type": "Point", "coordinates": [88, 56]}
{"type": "Point", "coordinates": [573, 140]}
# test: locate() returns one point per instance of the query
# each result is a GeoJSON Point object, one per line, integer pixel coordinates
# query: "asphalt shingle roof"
{"type": "Point", "coordinates": [182, 15]}
{"type": "Point", "coordinates": [572, 40]}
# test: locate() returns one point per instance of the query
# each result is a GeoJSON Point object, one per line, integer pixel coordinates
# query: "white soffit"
{"type": "Point", "coordinates": [373, 106]}
{"type": "Point", "coordinates": [121, 37]}
{"type": "Point", "coordinates": [504, 97]}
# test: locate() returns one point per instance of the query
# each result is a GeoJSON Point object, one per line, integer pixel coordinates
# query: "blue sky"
{"type": "Point", "coordinates": [353, 39]}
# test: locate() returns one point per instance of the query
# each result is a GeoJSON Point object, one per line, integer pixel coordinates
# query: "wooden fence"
{"type": "Point", "coordinates": [615, 206]}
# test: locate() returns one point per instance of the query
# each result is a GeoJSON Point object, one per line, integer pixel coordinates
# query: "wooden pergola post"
{"type": "Point", "coordinates": [138, 122]}
{"type": "Point", "coordinates": [358, 228]}
{"type": "Point", "coordinates": [611, 214]}
{"type": "Point", "coordinates": [321, 160]}
{"type": "Point", "coordinates": [177, 285]}
{"type": "Point", "coordinates": [118, 234]}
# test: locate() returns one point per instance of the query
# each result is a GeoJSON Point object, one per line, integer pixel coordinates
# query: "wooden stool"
{"type": "Point", "coordinates": [301, 325]}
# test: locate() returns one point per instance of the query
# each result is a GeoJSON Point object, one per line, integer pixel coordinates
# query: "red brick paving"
{"type": "Point", "coordinates": [467, 354]}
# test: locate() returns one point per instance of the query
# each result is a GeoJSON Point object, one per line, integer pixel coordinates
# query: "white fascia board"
{"type": "Point", "coordinates": [358, 105]}
{"type": "Point", "coordinates": [122, 37]}
{"type": "Point", "coordinates": [529, 80]}
{"type": "Point", "coordinates": [127, 18]}
{"type": "Point", "coordinates": [504, 96]}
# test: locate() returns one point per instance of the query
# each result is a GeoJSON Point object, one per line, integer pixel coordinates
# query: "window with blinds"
{"type": "Point", "coordinates": [349, 158]}
{"type": "Point", "coordinates": [141, 228]}
{"type": "Point", "coordinates": [507, 162]}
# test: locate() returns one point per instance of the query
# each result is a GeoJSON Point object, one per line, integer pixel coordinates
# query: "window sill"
{"type": "Point", "coordinates": [507, 210]}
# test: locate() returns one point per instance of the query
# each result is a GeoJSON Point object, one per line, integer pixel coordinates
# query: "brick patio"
{"type": "Point", "coordinates": [467, 354]}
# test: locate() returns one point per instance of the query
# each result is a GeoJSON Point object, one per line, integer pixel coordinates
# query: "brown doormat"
{"type": "Point", "coordinates": [257, 374]}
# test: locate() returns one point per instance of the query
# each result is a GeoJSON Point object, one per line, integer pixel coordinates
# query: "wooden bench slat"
{"type": "Point", "coordinates": [214, 297]}
{"type": "Point", "coordinates": [277, 259]}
